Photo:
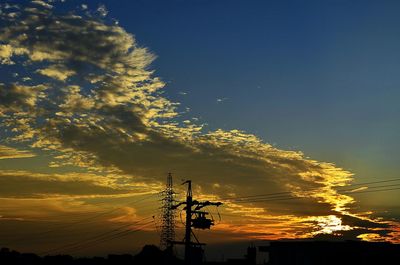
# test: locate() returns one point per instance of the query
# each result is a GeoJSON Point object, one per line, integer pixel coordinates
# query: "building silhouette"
{"type": "Point", "coordinates": [279, 252]}
{"type": "Point", "coordinates": [331, 253]}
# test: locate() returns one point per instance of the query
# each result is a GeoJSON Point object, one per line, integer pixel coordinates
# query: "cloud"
{"type": "Point", "coordinates": [15, 97]}
{"type": "Point", "coordinates": [5, 54]}
{"type": "Point", "coordinates": [220, 100]}
{"type": "Point", "coordinates": [109, 116]}
{"type": "Point", "coordinates": [57, 72]}
{"type": "Point", "coordinates": [9, 152]}
{"type": "Point", "coordinates": [42, 4]}
{"type": "Point", "coordinates": [102, 10]}
{"type": "Point", "coordinates": [17, 186]}
{"type": "Point", "coordinates": [19, 183]}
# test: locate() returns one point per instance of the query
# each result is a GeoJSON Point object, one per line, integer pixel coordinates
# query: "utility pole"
{"type": "Point", "coordinates": [195, 218]}
{"type": "Point", "coordinates": [188, 226]}
{"type": "Point", "coordinates": [168, 217]}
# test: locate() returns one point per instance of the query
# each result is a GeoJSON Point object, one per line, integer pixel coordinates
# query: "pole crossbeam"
{"type": "Point", "coordinates": [194, 219]}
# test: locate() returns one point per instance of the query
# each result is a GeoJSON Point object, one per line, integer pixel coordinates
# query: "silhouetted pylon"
{"type": "Point", "coordinates": [167, 216]}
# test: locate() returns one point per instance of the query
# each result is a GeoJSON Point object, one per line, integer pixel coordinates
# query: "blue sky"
{"type": "Point", "coordinates": [316, 76]}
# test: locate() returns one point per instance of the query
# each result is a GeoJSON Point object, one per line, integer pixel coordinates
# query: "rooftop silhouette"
{"type": "Point", "coordinates": [279, 253]}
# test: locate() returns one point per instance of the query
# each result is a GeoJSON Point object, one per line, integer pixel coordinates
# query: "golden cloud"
{"type": "Point", "coordinates": [9, 152]}
{"type": "Point", "coordinates": [57, 72]}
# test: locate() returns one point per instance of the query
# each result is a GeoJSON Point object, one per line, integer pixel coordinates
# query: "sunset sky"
{"type": "Point", "coordinates": [297, 101]}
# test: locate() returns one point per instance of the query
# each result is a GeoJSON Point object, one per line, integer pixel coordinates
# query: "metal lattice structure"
{"type": "Point", "coordinates": [167, 216]}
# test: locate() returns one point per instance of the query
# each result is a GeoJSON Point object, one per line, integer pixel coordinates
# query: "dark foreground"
{"type": "Point", "coordinates": [279, 253]}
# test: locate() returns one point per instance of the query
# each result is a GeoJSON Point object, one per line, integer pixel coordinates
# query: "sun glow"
{"type": "Point", "coordinates": [330, 224]}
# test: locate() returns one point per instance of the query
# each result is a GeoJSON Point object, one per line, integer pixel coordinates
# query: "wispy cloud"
{"type": "Point", "coordinates": [220, 100]}
{"type": "Point", "coordinates": [42, 4]}
{"type": "Point", "coordinates": [18, 183]}
{"type": "Point", "coordinates": [9, 152]}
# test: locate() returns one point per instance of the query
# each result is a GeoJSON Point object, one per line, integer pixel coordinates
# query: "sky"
{"type": "Point", "coordinates": [99, 100]}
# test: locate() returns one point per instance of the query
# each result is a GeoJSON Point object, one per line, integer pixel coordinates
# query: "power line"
{"type": "Point", "coordinates": [368, 191]}
{"type": "Point", "coordinates": [120, 231]}
{"type": "Point", "coordinates": [78, 215]}
{"type": "Point", "coordinates": [104, 213]}
{"type": "Point", "coordinates": [108, 238]}
{"type": "Point", "coordinates": [87, 220]}
{"type": "Point", "coordinates": [64, 235]}
{"type": "Point", "coordinates": [373, 182]}
{"type": "Point", "coordinates": [295, 198]}
{"type": "Point", "coordinates": [97, 237]}
{"type": "Point", "coordinates": [282, 194]}
{"type": "Point", "coordinates": [374, 187]}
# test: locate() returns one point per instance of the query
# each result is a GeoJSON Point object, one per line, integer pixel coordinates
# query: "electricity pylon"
{"type": "Point", "coordinates": [168, 216]}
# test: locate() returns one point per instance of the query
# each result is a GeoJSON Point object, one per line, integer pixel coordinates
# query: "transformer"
{"type": "Point", "coordinates": [200, 221]}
